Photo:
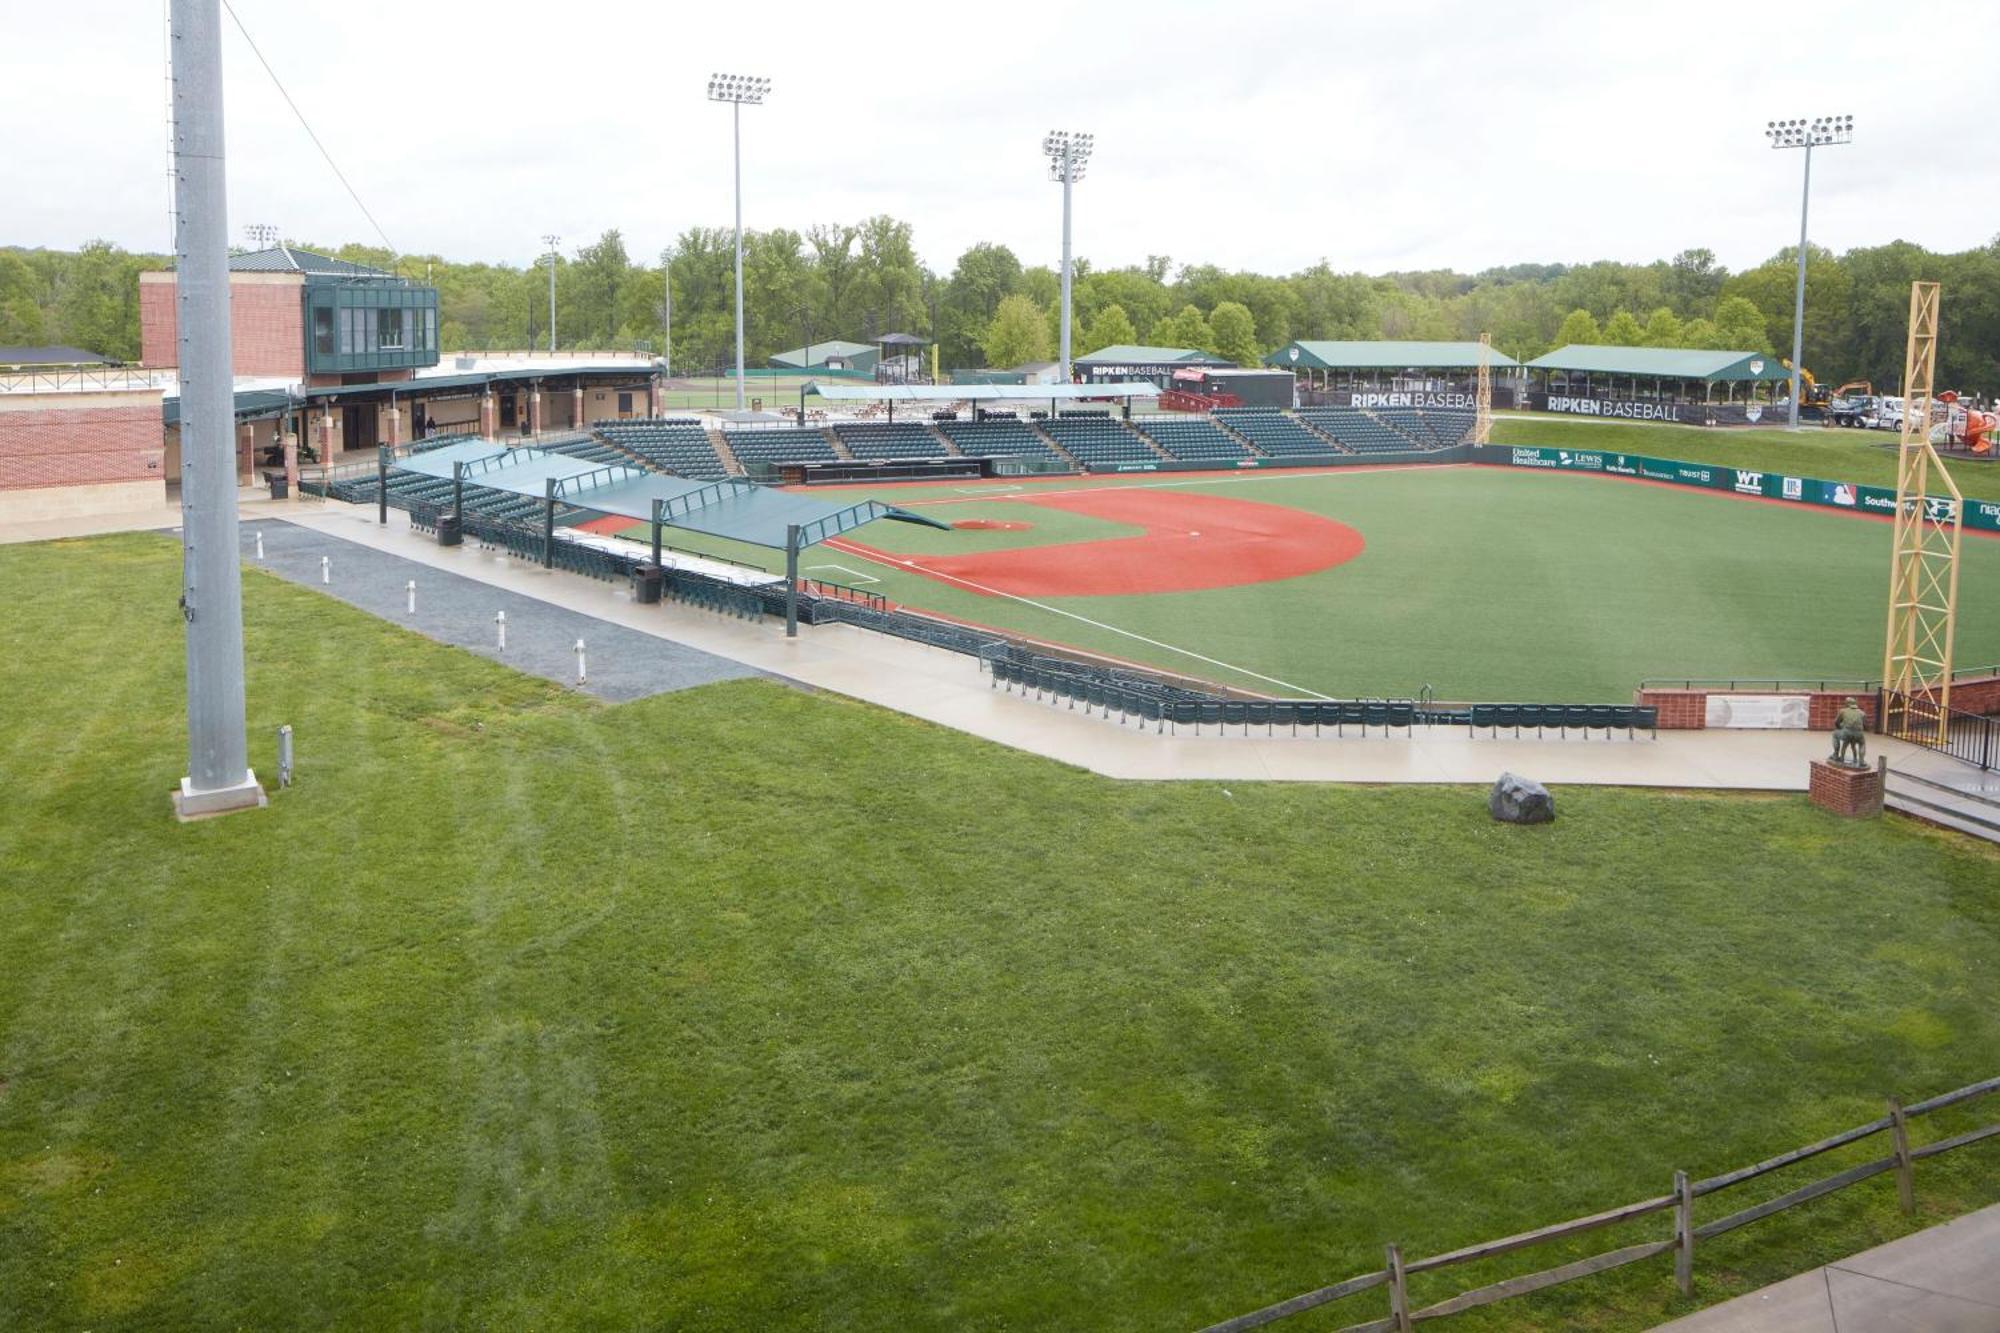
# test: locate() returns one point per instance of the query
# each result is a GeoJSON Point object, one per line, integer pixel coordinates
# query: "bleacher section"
{"type": "Point", "coordinates": [1275, 433]}
{"type": "Point", "coordinates": [1001, 437]}
{"type": "Point", "coordinates": [1409, 422]}
{"type": "Point", "coordinates": [779, 446]}
{"type": "Point", "coordinates": [587, 447]}
{"type": "Point", "coordinates": [1095, 438]}
{"type": "Point", "coordinates": [1451, 426]}
{"type": "Point", "coordinates": [1362, 433]}
{"type": "Point", "coordinates": [679, 447]}
{"type": "Point", "coordinates": [869, 440]}
{"type": "Point", "coordinates": [1192, 438]}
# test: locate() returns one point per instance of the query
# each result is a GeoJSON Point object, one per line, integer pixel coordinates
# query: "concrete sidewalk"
{"type": "Point", "coordinates": [949, 689]}
{"type": "Point", "coordinates": [1944, 1280]}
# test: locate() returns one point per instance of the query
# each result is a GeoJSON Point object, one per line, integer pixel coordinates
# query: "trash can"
{"type": "Point", "coordinates": [448, 530]}
{"type": "Point", "coordinates": [647, 583]}
{"type": "Point", "coordinates": [279, 489]}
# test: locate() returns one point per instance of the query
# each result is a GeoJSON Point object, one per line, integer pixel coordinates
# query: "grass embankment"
{"type": "Point", "coordinates": [1829, 453]}
{"type": "Point", "coordinates": [747, 1008]}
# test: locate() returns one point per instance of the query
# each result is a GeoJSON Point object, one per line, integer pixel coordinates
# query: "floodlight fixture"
{"type": "Point", "coordinates": [1797, 132]}
{"type": "Point", "coordinates": [1068, 152]}
{"type": "Point", "coordinates": [739, 90]}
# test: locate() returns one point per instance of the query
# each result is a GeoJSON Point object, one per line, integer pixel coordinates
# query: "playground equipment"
{"type": "Point", "coordinates": [1960, 427]}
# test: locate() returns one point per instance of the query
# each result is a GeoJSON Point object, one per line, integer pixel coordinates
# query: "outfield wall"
{"type": "Point", "coordinates": [1980, 515]}
{"type": "Point", "coordinates": [1462, 453]}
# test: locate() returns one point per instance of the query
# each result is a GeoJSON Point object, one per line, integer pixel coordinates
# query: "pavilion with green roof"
{"type": "Point", "coordinates": [1666, 374]}
{"type": "Point", "coordinates": [1370, 363]}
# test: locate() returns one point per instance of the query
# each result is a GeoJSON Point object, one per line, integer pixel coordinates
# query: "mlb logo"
{"type": "Point", "coordinates": [1843, 493]}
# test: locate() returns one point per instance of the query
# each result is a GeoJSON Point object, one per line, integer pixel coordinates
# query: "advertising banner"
{"type": "Point", "coordinates": [1684, 414]}
{"type": "Point", "coordinates": [1980, 515]}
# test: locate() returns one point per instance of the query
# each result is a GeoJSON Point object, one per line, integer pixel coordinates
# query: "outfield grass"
{"type": "Point", "coordinates": [1830, 453]}
{"type": "Point", "coordinates": [751, 1008]}
{"type": "Point", "coordinates": [1484, 583]}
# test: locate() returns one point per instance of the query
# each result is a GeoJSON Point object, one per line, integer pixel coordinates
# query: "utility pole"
{"type": "Point", "coordinates": [667, 307]}
{"type": "Point", "coordinates": [218, 777]}
{"type": "Point", "coordinates": [552, 241]}
{"type": "Point", "coordinates": [1068, 155]}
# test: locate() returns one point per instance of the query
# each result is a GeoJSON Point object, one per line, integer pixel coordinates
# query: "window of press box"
{"type": "Point", "coordinates": [323, 330]}
{"type": "Point", "coordinates": [390, 330]}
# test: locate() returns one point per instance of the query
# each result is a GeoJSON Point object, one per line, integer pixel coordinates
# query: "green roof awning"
{"type": "Point", "coordinates": [1667, 363]}
{"type": "Point", "coordinates": [1128, 353]}
{"type": "Point", "coordinates": [1384, 354]}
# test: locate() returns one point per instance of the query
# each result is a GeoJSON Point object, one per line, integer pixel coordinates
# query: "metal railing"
{"type": "Point", "coordinates": [1967, 737]}
{"type": "Point", "coordinates": [73, 379]}
{"type": "Point", "coordinates": [1395, 1273]}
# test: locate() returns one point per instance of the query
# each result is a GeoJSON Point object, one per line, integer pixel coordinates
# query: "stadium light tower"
{"type": "Point", "coordinates": [1069, 155]}
{"type": "Point", "coordinates": [552, 240]}
{"type": "Point", "coordinates": [218, 777]}
{"type": "Point", "coordinates": [1820, 132]}
{"type": "Point", "coordinates": [738, 90]}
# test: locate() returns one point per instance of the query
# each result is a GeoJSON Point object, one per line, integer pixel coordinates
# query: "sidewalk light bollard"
{"type": "Point", "coordinates": [500, 621]}
{"type": "Point", "coordinates": [411, 589]}
{"type": "Point", "coordinates": [581, 676]}
{"type": "Point", "coordinates": [326, 569]}
{"type": "Point", "coordinates": [260, 543]}
{"type": "Point", "coordinates": [285, 755]}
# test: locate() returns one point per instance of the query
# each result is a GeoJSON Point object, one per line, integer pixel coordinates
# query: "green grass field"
{"type": "Point", "coordinates": [752, 1008]}
{"type": "Point", "coordinates": [1484, 583]}
{"type": "Point", "coordinates": [1831, 454]}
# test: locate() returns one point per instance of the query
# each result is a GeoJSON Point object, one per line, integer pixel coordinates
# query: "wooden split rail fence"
{"type": "Point", "coordinates": [1396, 1271]}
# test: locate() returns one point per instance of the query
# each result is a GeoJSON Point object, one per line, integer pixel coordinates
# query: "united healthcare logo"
{"type": "Point", "coordinates": [1750, 483]}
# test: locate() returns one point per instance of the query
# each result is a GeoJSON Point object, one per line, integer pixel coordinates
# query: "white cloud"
{"type": "Point", "coordinates": [1409, 136]}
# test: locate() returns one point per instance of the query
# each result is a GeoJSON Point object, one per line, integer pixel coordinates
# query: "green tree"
{"type": "Point", "coordinates": [1578, 326]}
{"type": "Point", "coordinates": [21, 322]}
{"type": "Point", "coordinates": [1234, 331]}
{"type": "Point", "coordinates": [984, 276]}
{"type": "Point", "coordinates": [1692, 282]}
{"type": "Point", "coordinates": [1700, 333]}
{"type": "Point", "coordinates": [1663, 329]}
{"type": "Point", "coordinates": [1622, 330]}
{"type": "Point", "coordinates": [1184, 329]}
{"type": "Point", "coordinates": [1017, 335]}
{"type": "Point", "coordinates": [1109, 328]}
{"type": "Point", "coordinates": [1739, 326]}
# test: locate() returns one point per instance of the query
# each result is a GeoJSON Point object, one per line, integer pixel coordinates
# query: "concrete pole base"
{"type": "Point", "coordinates": [190, 805]}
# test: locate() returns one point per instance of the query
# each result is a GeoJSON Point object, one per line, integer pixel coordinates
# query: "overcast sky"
{"type": "Point", "coordinates": [1265, 137]}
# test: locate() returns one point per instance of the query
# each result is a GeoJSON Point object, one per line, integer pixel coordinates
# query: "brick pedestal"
{"type": "Point", "coordinates": [1852, 792]}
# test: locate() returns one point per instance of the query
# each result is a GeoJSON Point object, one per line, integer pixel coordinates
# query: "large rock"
{"type": "Point", "coordinates": [1518, 800]}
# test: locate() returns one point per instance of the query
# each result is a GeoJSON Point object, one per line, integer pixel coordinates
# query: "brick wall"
{"type": "Point", "coordinates": [1687, 710]}
{"type": "Point", "coordinates": [1976, 696]}
{"type": "Point", "coordinates": [1845, 791]}
{"type": "Point", "coordinates": [51, 443]}
{"type": "Point", "coordinates": [266, 323]}
{"type": "Point", "coordinates": [1680, 710]}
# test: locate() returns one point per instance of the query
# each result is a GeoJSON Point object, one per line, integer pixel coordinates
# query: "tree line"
{"type": "Point", "coordinates": [858, 281]}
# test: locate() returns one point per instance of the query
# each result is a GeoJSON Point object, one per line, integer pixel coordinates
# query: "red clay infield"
{"type": "Point", "coordinates": [990, 525]}
{"type": "Point", "coordinates": [1190, 542]}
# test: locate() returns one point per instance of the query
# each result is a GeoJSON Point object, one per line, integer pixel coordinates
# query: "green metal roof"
{"type": "Point", "coordinates": [1384, 354]}
{"type": "Point", "coordinates": [1668, 363]}
{"type": "Point", "coordinates": [1126, 352]}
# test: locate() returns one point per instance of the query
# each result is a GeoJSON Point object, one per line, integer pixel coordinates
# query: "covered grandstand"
{"type": "Point", "coordinates": [1329, 373]}
{"type": "Point", "coordinates": [1656, 374]}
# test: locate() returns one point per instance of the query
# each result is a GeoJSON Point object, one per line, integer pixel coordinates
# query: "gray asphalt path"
{"type": "Point", "coordinates": [622, 663]}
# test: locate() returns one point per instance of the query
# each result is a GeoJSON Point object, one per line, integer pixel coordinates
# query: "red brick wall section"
{"type": "Point", "coordinates": [1680, 710]}
{"type": "Point", "coordinates": [1823, 708]}
{"type": "Point", "coordinates": [1845, 791]}
{"type": "Point", "coordinates": [266, 328]}
{"type": "Point", "coordinates": [1980, 696]}
{"type": "Point", "coordinates": [81, 446]}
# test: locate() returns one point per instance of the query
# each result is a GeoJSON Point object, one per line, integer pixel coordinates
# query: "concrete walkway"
{"type": "Point", "coordinates": [622, 663]}
{"type": "Point", "coordinates": [949, 689]}
{"type": "Point", "coordinates": [1944, 1280]}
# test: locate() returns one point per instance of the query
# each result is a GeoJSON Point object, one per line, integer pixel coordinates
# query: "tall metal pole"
{"type": "Point", "coordinates": [736, 117]}
{"type": "Point", "coordinates": [551, 242]}
{"type": "Point", "coordinates": [1067, 181]}
{"type": "Point", "coordinates": [1799, 298]}
{"type": "Point", "coordinates": [218, 776]}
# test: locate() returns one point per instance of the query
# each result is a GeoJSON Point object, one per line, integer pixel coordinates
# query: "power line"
{"type": "Point", "coordinates": [304, 123]}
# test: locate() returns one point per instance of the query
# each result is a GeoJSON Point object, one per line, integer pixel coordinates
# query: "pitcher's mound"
{"type": "Point", "coordinates": [990, 525]}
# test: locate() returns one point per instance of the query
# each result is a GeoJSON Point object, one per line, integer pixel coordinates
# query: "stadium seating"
{"type": "Point", "coordinates": [1360, 432]}
{"type": "Point", "coordinates": [1276, 434]}
{"type": "Point", "coordinates": [1192, 438]}
{"type": "Point", "coordinates": [1001, 437]}
{"type": "Point", "coordinates": [679, 447]}
{"type": "Point", "coordinates": [1096, 439]}
{"type": "Point", "coordinates": [1408, 422]}
{"type": "Point", "coordinates": [869, 440]}
{"type": "Point", "coordinates": [779, 446]}
{"type": "Point", "coordinates": [587, 447]}
{"type": "Point", "coordinates": [1451, 426]}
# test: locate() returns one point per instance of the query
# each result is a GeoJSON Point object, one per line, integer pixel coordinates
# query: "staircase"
{"type": "Point", "coordinates": [1151, 444]}
{"type": "Point", "coordinates": [1954, 807]}
{"type": "Point", "coordinates": [838, 445]}
{"type": "Point", "coordinates": [1314, 428]}
{"type": "Point", "coordinates": [1050, 441]}
{"type": "Point", "coordinates": [1249, 445]}
{"type": "Point", "coordinates": [950, 450]}
{"type": "Point", "coordinates": [720, 443]}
